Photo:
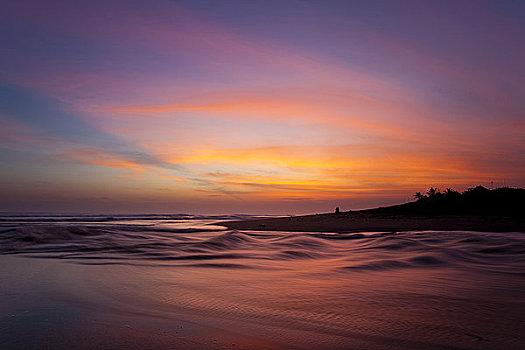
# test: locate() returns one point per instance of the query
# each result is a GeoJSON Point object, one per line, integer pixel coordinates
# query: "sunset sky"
{"type": "Point", "coordinates": [127, 106]}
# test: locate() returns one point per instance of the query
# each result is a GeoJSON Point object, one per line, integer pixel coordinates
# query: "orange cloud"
{"type": "Point", "coordinates": [317, 172]}
{"type": "Point", "coordinates": [101, 158]}
{"type": "Point", "coordinates": [330, 109]}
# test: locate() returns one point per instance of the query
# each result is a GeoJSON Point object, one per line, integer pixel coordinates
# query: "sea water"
{"type": "Point", "coordinates": [134, 281]}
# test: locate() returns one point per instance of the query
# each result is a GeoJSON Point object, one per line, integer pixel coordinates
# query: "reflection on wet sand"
{"type": "Point", "coordinates": [125, 287]}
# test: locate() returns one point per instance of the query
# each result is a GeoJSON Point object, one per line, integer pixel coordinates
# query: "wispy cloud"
{"type": "Point", "coordinates": [172, 96]}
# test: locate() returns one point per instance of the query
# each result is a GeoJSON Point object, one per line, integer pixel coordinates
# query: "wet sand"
{"type": "Point", "coordinates": [51, 304]}
{"type": "Point", "coordinates": [362, 221]}
{"type": "Point", "coordinates": [189, 286]}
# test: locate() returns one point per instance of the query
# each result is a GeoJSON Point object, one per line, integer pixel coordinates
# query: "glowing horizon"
{"type": "Point", "coordinates": [276, 107]}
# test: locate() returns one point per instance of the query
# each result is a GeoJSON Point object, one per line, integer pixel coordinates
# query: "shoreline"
{"type": "Point", "coordinates": [366, 221]}
{"type": "Point", "coordinates": [134, 286]}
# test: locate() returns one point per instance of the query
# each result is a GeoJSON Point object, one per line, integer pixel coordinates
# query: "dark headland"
{"type": "Point", "coordinates": [476, 209]}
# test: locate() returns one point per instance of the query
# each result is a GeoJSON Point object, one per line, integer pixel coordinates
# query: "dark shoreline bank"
{"type": "Point", "coordinates": [368, 221]}
{"type": "Point", "coordinates": [476, 209]}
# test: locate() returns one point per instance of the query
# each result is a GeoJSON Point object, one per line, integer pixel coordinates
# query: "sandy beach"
{"type": "Point", "coordinates": [49, 304]}
{"type": "Point", "coordinates": [177, 283]}
{"type": "Point", "coordinates": [158, 160]}
{"type": "Point", "coordinates": [363, 221]}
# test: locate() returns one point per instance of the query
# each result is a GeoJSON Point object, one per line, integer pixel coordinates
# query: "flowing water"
{"type": "Point", "coordinates": [136, 279]}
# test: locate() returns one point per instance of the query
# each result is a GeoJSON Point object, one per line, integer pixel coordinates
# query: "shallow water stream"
{"type": "Point", "coordinates": [172, 282]}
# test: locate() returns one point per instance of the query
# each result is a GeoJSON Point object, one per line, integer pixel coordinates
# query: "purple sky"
{"type": "Point", "coordinates": [256, 106]}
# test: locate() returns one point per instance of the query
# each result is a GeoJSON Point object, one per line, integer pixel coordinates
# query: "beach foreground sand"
{"type": "Point", "coordinates": [175, 283]}
{"type": "Point", "coordinates": [365, 221]}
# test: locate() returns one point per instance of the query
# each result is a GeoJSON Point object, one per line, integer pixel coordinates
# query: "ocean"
{"type": "Point", "coordinates": [186, 282]}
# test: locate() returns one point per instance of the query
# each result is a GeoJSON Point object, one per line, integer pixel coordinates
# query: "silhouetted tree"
{"type": "Point", "coordinates": [477, 200]}
{"type": "Point", "coordinates": [431, 192]}
{"type": "Point", "coordinates": [451, 193]}
{"type": "Point", "coordinates": [419, 196]}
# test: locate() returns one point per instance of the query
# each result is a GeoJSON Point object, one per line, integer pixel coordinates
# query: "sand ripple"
{"type": "Point", "coordinates": [309, 290]}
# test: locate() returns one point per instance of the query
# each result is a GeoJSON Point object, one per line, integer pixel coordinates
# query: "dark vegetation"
{"type": "Point", "coordinates": [504, 201]}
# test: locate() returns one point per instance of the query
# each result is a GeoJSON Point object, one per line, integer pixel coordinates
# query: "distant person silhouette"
{"type": "Point", "coordinates": [337, 210]}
